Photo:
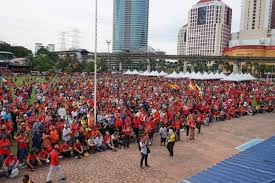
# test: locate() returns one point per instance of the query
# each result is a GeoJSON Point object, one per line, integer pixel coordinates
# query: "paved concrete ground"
{"type": "Point", "coordinates": [214, 144]}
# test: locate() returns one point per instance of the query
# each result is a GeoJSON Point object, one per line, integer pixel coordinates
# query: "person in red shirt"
{"type": "Point", "coordinates": [65, 150]}
{"type": "Point", "coordinates": [108, 141]}
{"type": "Point", "coordinates": [191, 122]}
{"type": "Point", "coordinates": [119, 124]}
{"type": "Point", "coordinates": [136, 124]}
{"type": "Point", "coordinates": [44, 156]}
{"type": "Point", "coordinates": [199, 122]}
{"type": "Point", "coordinates": [178, 127]}
{"type": "Point", "coordinates": [78, 149]}
{"type": "Point", "coordinates": [164, 119]}
{"type": "Point", "coordinates": [4, 147]}
{"type": "Point", "coordinates": [151, 126]}
{"type": "Point", "coordinates": [127, 129]}
{"type": "Point", "coordinates": [127, 120]}
{"type": "Point", "coordinates": [32, 160]}
{"type": "Point", "coordinates": [9, 129]}
{"type": "Point", "coordinates": [156, 116]}
{"type": "Point", "coordinates": [55, 165]}
{"type": "Point", "coordinates": [10, 163]}
{"type": "Point", "coordinates": [23, 141]}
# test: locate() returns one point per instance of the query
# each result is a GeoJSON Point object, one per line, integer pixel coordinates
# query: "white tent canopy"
{"type": "Point", "coordinates": [239, 77]}
{"type": "Point", "coordinates": [153, 73]}
{"type": "Point", "coordinates": [128, 72]}
{"type": "Point", "coordinates": [162, 73]}
{"type": "Point", "coordinates": [187, 74]}
{"type": "Point", "coordinates": [146, 73]}
{"type": "Point", "coordinates": [182, 75]}
{"type": "Point", "coordinates": [173, 75]}
{"type": "Point", "coordinates": [135, 72]}
{"type": "Point", "coordinates": [196, 76]}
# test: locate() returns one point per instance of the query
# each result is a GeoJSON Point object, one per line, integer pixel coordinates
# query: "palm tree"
{"type": "Point", "coordinates": [255, 68]}
{"type": "Point", "coordinates": [261, 68]}
{"type": "Point", "coordinates": [64, 61]}
{"type": "Point", "coordinates": [200, 66]}
{"type": "Point", "coordinates": [142, 65]}
{"type": "Point", "coordinates": [102, 64]}
{"type": "Point", "coordinates": [153, 64]}
{"type": "Point", "coordinates": [122, 57]}
{"type": "Point", "coordinates": [215, 66]}
{"type": "Point", "coordinates": [227, 67]}
{"type": "Point", "coordinates": [162, 64]}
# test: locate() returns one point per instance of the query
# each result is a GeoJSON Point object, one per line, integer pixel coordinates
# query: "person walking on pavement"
{"type": "Point", "coordinates": [171, 142]}
{"type": "Point", "coordinates": [144, 150]}
{"type": "Point", "coordinates": [55, 165]}
{"type": "Point", "coordinates": [192, 125]}
{"type": "Point", "coordinates": [163, 134]}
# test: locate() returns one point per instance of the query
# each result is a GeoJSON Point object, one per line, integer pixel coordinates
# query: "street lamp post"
{"type": "Point", "coordinates": [95, 64]}
{"type": "Point", "coordinates": [108, 43]}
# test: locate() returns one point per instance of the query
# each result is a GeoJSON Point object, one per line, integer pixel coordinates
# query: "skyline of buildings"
{"type": "Point", "coordinates": [257, 33]}
{"type": "Point", "coordinates": [208, 29]}
{"type": "Point", "coordinates": [254, 11]}
{"type": "Point", "coordinates": [49, 47]}
{"type": "Point", "coordinates": [130, 26]}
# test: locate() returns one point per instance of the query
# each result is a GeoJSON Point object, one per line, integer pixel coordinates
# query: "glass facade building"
{"type": "Point", "coordinates": [130, 26]}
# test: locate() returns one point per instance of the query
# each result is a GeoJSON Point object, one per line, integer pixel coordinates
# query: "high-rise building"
{"type": "Point", "coordinates": [130, 25]}
{"type": "Point", "coordinates": [208, 28]}
{"type": "Point", "coordinates": [50, 47]}
{"type": "Point", "coordinates": [38, 46]}
{"type": "Point", "coordinates": [182, 38]}
{"type": "Point", "coordinates": [257, 22]}
{"type": "Point", "coordinates": [257, 14]}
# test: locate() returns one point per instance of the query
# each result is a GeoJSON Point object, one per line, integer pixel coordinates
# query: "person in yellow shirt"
{"type": "Point", "coordinates": [171, 142]}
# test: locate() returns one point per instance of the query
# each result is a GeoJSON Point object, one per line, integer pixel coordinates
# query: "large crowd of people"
{"type": "Point", "coordinates": [57, 113]}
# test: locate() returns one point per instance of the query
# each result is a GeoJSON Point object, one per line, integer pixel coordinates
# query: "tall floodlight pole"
{"type": "Point", "coordinates": [108, 43]}
{"type": "Point", "coordinates": [95, 69]}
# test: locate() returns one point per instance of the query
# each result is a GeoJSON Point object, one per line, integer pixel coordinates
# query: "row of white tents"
{"type": "Point", "coordinates": [195, 76]}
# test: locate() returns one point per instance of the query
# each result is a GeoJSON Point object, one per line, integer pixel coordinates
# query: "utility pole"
{"type": "Point", "coordinates": [95, 69]}
{"type": "Point", "coordinates": [108, 44]}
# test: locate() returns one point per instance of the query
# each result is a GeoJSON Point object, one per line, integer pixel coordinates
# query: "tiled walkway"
{"type": "Point", "coordinates": [214, 144]}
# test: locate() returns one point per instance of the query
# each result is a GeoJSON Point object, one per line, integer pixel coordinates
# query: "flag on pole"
{"type": "Point", "coordinates": [174, 86]}
{"type": "Point", "coordinates": [191, 86]}
{"type": "Point", "coordinates": [195, 88]}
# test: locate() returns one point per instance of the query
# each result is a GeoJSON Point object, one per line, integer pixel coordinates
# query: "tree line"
{"type": "Point", "coordinates": [51, 61]}
{"type": "Point", "coordinates": [44, 60]}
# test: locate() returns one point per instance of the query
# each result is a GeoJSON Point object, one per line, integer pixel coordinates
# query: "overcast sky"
{"type": "Point", "coordinates": [25, 22]}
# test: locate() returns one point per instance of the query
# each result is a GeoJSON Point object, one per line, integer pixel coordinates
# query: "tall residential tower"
{"type": "Point", "coordinates": [257, 24]}
{"type": "Point", "coordinates": [130, 26]}
{"type": "Point", "coordinates": [208, 29]}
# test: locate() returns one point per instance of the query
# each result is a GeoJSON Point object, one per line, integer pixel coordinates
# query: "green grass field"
{"type": "Point", "coordinates": [20, 80]}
